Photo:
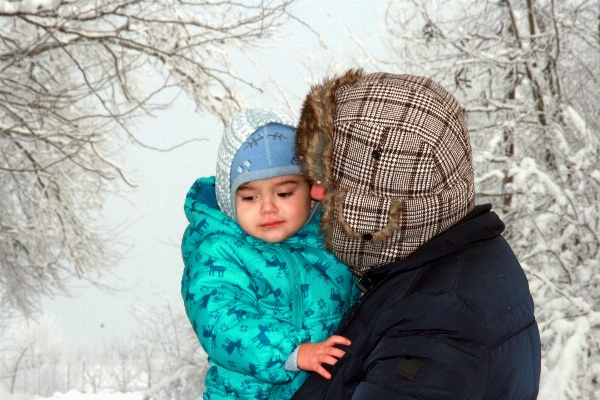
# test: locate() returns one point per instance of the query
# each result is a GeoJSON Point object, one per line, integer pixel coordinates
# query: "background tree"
{"type": "Point", "coordinates": [123, 364]}
{"type": "Point", "coordinates": [163, 358]}
{"type": "Point", "coordinates": [31, 356]}
{"type": "Point", "coordinates": [178, 364]}
{"type": "Point", "coordinates": [528, 75]}
{"type": "Point", "coordinates": [74, 75]}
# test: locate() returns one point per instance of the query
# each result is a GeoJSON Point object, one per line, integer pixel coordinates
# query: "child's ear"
{"type": "Point", "coordinates": [317, 191]}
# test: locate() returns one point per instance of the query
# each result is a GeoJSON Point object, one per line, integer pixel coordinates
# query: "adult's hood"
{"type": "Point", "coordinates": [394, 155]}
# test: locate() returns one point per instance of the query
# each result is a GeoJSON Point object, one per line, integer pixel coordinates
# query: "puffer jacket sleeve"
{"type": "Point", "coordinates": [222, 304]}
{"type": "Point", "coordinates": [407, 360]}
{"type": "Point", "coordinates": [422, 359]}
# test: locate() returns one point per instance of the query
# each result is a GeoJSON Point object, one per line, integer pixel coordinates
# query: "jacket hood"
{"type": "Point", "coordinates": [203, 213]}
{"type": "Point", "coordinates": [394, 156]}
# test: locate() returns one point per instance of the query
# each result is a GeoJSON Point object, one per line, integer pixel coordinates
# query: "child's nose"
{"type": "Point", "coordinates": [268, 206]}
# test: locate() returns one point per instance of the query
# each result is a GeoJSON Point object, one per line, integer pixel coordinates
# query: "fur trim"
{"type": "Point", "coordinates": [315, 128]}
{"type": "Point", "coordinates": [314, 139]}
{"type": "Point", "coordinates": [376, 237]}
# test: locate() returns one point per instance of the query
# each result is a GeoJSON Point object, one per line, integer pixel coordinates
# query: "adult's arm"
{"type": "Point", "coordinates": [430, 352]}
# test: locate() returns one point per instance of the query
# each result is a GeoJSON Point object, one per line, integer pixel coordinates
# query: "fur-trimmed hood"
{"type": "Point", "coordinates": [394, 156]}
{"type": "Point", "coordinates": [314, 133]}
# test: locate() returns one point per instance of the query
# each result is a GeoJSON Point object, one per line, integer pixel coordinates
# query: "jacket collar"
{"type": "Point", "coordinates": [479, 225]}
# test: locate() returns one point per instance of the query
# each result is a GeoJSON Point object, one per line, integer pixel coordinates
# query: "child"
{"type": "Point", "coordinates": [261, 293]}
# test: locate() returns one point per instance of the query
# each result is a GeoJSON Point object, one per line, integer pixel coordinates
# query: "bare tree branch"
{"type": "Point", "coordinates": [74, 75]}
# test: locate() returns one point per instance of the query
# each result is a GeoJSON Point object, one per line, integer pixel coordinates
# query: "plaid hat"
{"type": "Point", "coordinates": [394, 155]}
{"type": "Point", "coordinates": [257, 144]}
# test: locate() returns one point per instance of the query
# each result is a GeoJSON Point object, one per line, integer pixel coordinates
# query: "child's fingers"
{"type": "Point", "coordinates": [322, 371]}
{"type": "Point", "coordinates": [335, 352]}
{"type": "Point", "coordinates": [328, 360]}
{"type": "Point", "coordinates": [312, 355]}
{"type": "Point", "coordinates": [336, 339]}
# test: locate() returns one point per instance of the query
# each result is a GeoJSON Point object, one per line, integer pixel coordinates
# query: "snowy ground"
{"type": "Point", "coordinates": [74, 395]}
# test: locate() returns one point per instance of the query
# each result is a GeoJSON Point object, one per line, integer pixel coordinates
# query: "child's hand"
{"type": "Point", "coordinates": [312, 355]}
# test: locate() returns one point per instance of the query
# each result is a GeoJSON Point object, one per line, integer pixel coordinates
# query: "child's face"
{"type": "Point", "coordinates": [273, 209]}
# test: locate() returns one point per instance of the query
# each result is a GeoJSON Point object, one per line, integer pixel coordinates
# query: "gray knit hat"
{"type": "Point", "coordinates": [394, 155]}
{"type": "Point", "coordinates": [257, 144]}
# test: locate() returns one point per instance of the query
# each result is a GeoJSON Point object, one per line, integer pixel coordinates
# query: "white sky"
{"type": "Point", "coordinates": [151, 216]}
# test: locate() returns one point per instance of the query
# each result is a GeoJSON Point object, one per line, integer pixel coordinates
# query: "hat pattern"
{"type": "Point", "coordinates": [399, 168]}
{"type": "Point", "coordinates": [244, 135]}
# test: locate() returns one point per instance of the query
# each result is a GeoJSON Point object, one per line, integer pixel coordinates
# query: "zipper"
{"type": "Point", "coordinates": [294, 280]}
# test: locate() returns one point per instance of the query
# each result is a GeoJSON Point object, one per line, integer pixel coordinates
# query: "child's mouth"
{"type": "Point", "coordinates": [270, 225]}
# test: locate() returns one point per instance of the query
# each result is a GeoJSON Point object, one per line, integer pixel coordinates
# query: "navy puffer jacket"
{"type": "Point", "coordinates": [455, 320]}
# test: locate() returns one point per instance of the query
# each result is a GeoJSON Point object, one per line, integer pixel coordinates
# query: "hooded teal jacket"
{"type": "Point", "coordinates": [251, 303]}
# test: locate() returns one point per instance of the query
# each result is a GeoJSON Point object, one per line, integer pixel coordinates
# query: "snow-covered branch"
{"type": "Point", "coordinates": [74, 75]}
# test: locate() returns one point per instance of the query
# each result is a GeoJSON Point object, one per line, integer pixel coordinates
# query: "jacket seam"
{"type": "Point", "coordinates": [507, 310]}
{"type": "Point", "coordinates": [459, 268]}
{"type": "Point", "coordinates": [416, 279]}
{"type": "Point", "coordinates": [508, 337]}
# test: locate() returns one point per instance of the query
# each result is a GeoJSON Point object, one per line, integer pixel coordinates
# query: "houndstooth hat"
{"type": "Point", "coordinates": [394, 155]}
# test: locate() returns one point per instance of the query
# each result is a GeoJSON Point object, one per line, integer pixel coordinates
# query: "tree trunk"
{"type": "Point", "coordinates": [16, 369]}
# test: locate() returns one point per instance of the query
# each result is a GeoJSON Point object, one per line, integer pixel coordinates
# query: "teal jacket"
{"type": "Point", "coordinates": [251, 303]}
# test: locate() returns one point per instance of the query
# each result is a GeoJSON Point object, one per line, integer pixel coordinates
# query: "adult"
{"type": "Point", "coordinates": [446, 311]}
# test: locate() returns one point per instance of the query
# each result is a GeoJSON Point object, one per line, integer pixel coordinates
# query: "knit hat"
{"type": "Point", "coordinates": [257, 144]}
{"type": "Point", "coordinates": [394, 155]}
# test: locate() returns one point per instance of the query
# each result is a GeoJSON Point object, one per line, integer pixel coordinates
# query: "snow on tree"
{"type": "Point", "coordinates": [176, 364]}
{"type": "Point", "coordinates": [527, 73]}
{"type": "Point", "coordinates": [30, 355]}
{"type": "Point", "coordinates": [74, 75]}
{"type": "Point", "coordinates": [162, 357]}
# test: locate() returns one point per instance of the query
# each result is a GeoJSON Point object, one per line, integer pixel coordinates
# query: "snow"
{"type": "Point", "coordinates": [524, 173]}
{"type": "Point", "coordinates": [28, 6]}
{"type": "Point", "coordinates": [569, 345]}
{"type": "Point", "coordinates": [75, 395]}
{"type": "Point", "coordinates": [7, 7]}
{"type": "Point", "coordinates": [579, 122]}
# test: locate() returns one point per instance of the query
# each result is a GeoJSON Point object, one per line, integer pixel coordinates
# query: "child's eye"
{"type": "Point", "coordinates": [248, 198]}
{"type": "Point", "coordinates": [285, 194]}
